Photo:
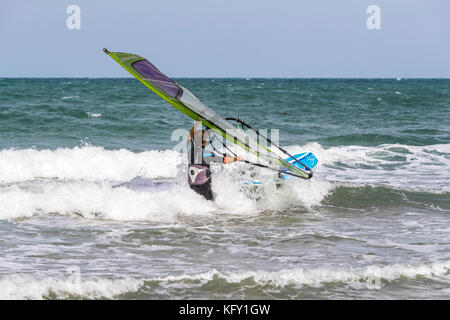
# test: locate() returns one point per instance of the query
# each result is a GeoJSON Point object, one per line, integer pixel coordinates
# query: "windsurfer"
{"type": "Point", "coordinates": [199, 174]}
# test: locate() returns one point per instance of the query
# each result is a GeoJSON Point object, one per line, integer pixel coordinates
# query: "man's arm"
{"type": "Point", "coordinates": [211, 157]}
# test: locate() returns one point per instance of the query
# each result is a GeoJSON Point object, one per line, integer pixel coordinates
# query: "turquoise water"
{"type": "Point", "coordinates": [372, 223]}
{"type": "Point", "coordinates": [51, 113]}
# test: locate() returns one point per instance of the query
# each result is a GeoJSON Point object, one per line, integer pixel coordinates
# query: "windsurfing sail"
{"type": "Point", "coordinates": [183, 100]}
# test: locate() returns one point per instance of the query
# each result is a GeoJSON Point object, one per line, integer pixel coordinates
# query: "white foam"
{"type": "Point", "coordinates": [86, 163]}
{"type": "Point", "coordinates": [93, 115]}
{"type": "Point", "coordinates": [415, 168]}
{"type": "Point", "coordinates": [370, 277]}
{"type": "Point", "coordinates": [101, 201]}
{"type": "Point", "coordinates": [292, 193]}
{"type": "Point", "coordinates": [80, 180]}
{"type": "Point", "coordinates": [27, 286]}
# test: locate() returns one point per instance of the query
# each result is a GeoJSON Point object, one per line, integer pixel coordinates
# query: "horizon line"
{"type": "Point", "coordinates": [243, 78]}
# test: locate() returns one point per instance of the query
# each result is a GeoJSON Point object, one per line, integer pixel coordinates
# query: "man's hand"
{"type": "Point", "coordinates": [227, 160]}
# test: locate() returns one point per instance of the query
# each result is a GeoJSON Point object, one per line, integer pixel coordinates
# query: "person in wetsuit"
{"type": "Point", "coordinates": [199, 174]}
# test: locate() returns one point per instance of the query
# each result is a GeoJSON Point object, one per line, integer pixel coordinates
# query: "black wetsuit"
{"type": "Point", "coordinates": [199, 174]}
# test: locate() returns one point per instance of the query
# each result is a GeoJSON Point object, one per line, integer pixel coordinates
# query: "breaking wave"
{"type": "Point", "coordinates": [372, 276]}
{"type": "Point", "coordinates": [25, 286]}
{"type": "Point", "coordinates": [81, 180]}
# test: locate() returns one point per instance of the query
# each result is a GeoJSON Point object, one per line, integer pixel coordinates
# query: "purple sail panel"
{"type": "Point", "coordinates": [150, 73]}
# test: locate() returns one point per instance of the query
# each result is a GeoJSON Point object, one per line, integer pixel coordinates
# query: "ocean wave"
{"type": "Point", "coordinates": [364, 196]}
{"type": "Point", "coordinates": [69, 97]}
{"type": "Point", "coordinates": [102, 201]}
{"type": "Point", "coordinates": [93, 115]}
{"type": "Point", "coordinates": [27, 286]}
{"type": "Point", "coordinates": [371, 277]}
{"type": "Point", "coordinates": [87, 163]}
{"type": "Point", "coordinates": [81, 179]}
{"type": "Point", "coordinates": [105, 200]}
{"type": "Point", "coordinates": [74, 286]}
{"type": "Point", "coordinates": [405, 167]}
{"type": "Point", "coordinates": [395, 165]}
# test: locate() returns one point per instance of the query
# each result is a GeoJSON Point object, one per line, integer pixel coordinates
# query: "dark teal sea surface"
{"type": "Point", "coordinates": [373, 222]}
{"type": "Point", "coordinates": [51, 113]}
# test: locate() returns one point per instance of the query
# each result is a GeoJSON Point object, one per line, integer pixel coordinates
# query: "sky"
{"type": "Point", "coordinates": [228, 38]}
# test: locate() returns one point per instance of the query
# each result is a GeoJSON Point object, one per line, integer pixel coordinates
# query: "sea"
{"type": "Point", "coordinates": [372, 223]}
